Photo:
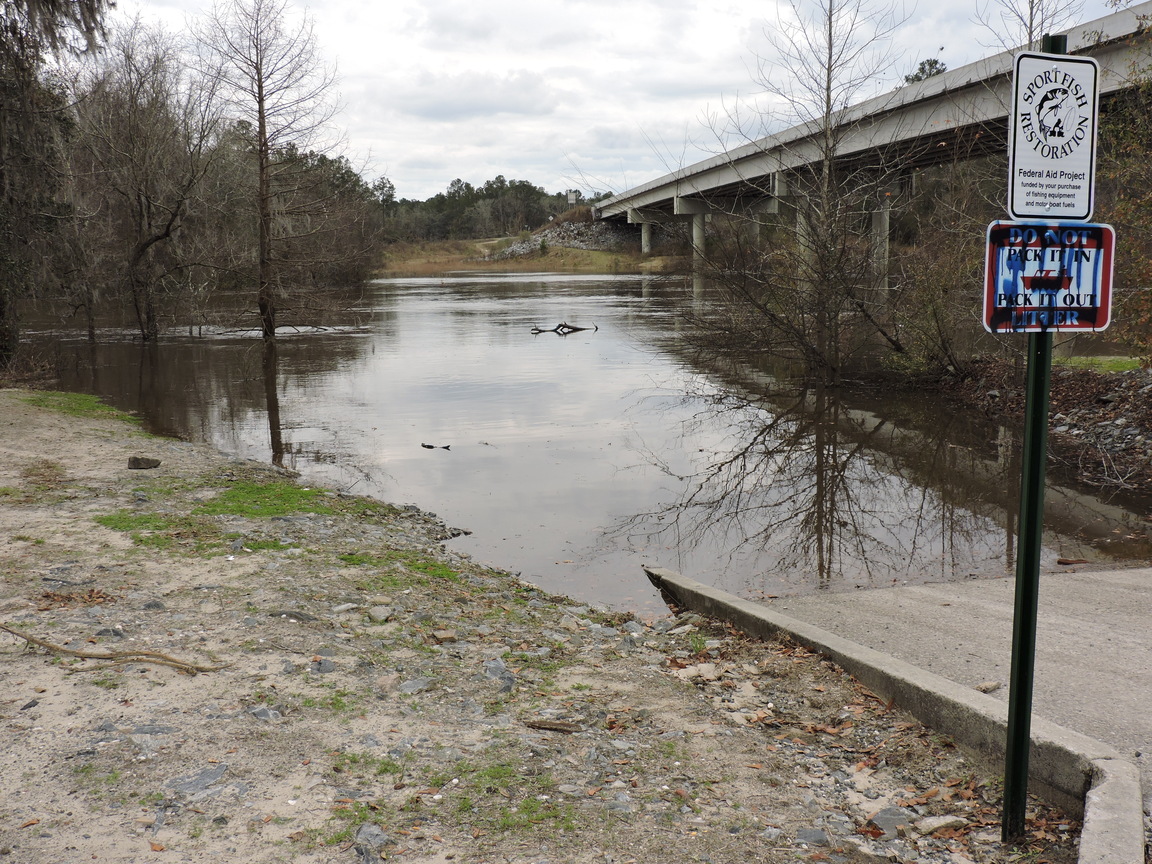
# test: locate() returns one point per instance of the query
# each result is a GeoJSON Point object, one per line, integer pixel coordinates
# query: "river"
{"type": "Point", "coordinates": [574, 459]}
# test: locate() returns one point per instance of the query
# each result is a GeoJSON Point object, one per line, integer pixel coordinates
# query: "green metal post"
{"type": "Point", "coordinates": [1031, 532]}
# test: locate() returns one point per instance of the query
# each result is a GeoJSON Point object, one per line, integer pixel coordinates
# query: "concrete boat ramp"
{"type": "Point", "coordinates": [930, 646]}
{"type": "Point", "coordinates": [1093, 644]}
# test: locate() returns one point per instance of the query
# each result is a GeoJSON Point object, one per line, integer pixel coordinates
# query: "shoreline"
{"type": "Point", "coordinates": [375, 696]}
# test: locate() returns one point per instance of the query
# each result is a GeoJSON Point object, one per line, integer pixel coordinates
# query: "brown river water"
{"type": "Point", "coordinates": [575, 459]}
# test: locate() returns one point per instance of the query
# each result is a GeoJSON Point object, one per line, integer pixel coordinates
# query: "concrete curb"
{"type": "Point", "coordinates": [1071, 770]}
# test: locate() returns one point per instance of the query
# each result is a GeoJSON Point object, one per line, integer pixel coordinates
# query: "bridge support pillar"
{"type": "Point", "coordinates": [881, 228]}
{"type": "Point", "coordinates": [646, 218]}
{"type": "Point", "coordinates": [699, 211]}
{"type": "Point", "coordinates": [699, 250]}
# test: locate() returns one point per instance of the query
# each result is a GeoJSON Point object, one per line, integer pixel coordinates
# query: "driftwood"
{"type": "Point", "coordinates": [554, 726]}
{"type": "Point", "coordinates": [564, 329]}
{"type": "Point", "coordinates": [116, 657]}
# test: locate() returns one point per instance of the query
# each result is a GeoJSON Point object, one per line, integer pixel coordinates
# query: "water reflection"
{"type": "Point", "coordinates": [557, 443]}
{"type": "Point", "coordinates": [799, 489]}
{"type": "Point", "coordinates": [270, 365]}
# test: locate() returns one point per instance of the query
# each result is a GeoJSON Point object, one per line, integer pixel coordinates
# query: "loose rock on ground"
{"type": "Point", "coordinates": [375, 696]}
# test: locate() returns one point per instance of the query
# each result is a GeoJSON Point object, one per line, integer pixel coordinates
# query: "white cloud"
{"type": "Point", "coordinates": [594, 93]}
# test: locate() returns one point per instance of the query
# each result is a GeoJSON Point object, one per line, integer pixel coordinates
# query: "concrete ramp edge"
{"type": "Point", "coordinates": [1075, 772]}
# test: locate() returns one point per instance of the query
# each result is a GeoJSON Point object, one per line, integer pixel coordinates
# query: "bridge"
{"type": "Point", "coordinates": [961, 113]}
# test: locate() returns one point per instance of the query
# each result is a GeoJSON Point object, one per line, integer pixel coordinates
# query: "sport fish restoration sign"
{"type": "Point", "coordinates": [1052, 137]}
{"type": "Point", "coordinates": [1048, 277]}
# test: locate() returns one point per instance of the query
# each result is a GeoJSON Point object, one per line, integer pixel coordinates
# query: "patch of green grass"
{"type": "Point", "coordinates": [107, 682]}
{"type": "Point", "coordinates": [43, 474]}
{"type": "Point", "coordinates": [274, 498]}
{"type": "Point", "coordinates": [532, 812]}
{"type": "Point", "coordinates": [76, 405]}
{"type": "Point", "coordinates": [406, 569]}
{"type": "Point", "coordinates": [366, 764]}
{"type": "Point", "coordinates": [128, 520]}
{"type": "Point", "coordinates": [92, 775]}
{"type": "Point", "coordinates": [157, 531]}
{"type": "Point", "coordinates": [1099, 364]}
{"type": "Point", "coordinates": [339, 701]}
{"type": "Point", "coordinates": [368, 508]}
{"type": "Point", "coordinates": [355, 814]}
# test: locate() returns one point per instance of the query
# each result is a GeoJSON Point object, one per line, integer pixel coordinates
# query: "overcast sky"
{"type": "Point", "coordinates": [596, 95]}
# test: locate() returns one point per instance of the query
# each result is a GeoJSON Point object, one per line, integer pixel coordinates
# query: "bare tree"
{"type": "Point", "coordinates": [271, 73]}
{"type": "Point", "coordinates": [147, 130]}
{"type": "Point", "coordinates": [1016, 24]}
{"type": "Point", "coordinates": [807, 290]}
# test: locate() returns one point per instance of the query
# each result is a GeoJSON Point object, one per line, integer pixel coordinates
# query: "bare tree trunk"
{"type": "Point", "coordinates": [9, 327]}
{"type": "Point", "coordinates": [272, 402]}
{"type": "Point", "coordinates": [265, 299]}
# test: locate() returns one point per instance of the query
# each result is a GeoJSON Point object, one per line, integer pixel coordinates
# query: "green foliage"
{"type": "Point", "coordinates": [93, 775]}
{"type": "Point", "coordinates": [927, 69]}
{"type": "Point", "coordinates": [339, 701]}
{"type": "Point", "coordinates": [160, 531]}
{"type": "Point", "coordinates": [276, 498]}
{"type": "Point", "coordinates": [82, 405]}
{"type": "Point", "coordinates": [366, 764]}
{"type": "Point", "coordinates": [398, 562]}
{"type": "Point", "coordinates": [498, 207]}
{"type": "Point", "coordinates": [354, 814]}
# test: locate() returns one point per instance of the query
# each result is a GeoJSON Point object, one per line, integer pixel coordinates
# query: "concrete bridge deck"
{"type": "Point", "coordinates": [959, 114]}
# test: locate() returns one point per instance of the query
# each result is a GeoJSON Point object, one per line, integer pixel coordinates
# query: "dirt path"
{"type": "Point", "coordinates": [374, 696]}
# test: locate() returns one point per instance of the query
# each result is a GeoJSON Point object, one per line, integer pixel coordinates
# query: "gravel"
{"type": "Point", "coordinates": [477, 719]}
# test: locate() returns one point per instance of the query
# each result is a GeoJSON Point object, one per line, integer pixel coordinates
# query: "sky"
{"type": "Point", "coordinates": [594, 95]}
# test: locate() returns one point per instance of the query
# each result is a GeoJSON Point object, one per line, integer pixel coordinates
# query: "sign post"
{"type": "Point", "coordinates": [1041, 278]}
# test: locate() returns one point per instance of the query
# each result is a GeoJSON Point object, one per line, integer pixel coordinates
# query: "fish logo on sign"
{"type": "Point", "coordinates": [1058, 122]}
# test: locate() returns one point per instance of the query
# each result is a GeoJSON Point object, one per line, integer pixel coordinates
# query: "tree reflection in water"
{"type": "Point", "coordinates": [812, 494]}
{"type": "Point", "coordinates": [270, 367]}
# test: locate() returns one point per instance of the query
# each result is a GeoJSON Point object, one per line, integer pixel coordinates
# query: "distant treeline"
{"type": "Point", "coordinates": [498, 207]}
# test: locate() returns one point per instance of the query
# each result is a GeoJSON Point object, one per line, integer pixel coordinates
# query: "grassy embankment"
{"type": "Point", "coordinates": [435, 258]}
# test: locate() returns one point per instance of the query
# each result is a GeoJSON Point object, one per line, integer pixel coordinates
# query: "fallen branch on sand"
{"type": "Point", "coordinates": [564, 329]}
{"type": "Point", "coordinates": [116, 657]}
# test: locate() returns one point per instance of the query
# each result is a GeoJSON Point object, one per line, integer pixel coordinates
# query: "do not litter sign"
{"type": "Point", "coordinates": [1048, 277]}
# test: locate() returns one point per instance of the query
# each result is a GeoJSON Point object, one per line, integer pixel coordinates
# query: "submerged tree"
{"type": "Point", "coordinates": [804, 284]}
{"type": "Point", "coordinates": [146, 141]}
{"type": "Point", "coordinates": [271, 73]}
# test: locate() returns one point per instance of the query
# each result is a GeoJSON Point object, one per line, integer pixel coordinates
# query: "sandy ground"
{"type": "Point", "coordinates": [202, 661]}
